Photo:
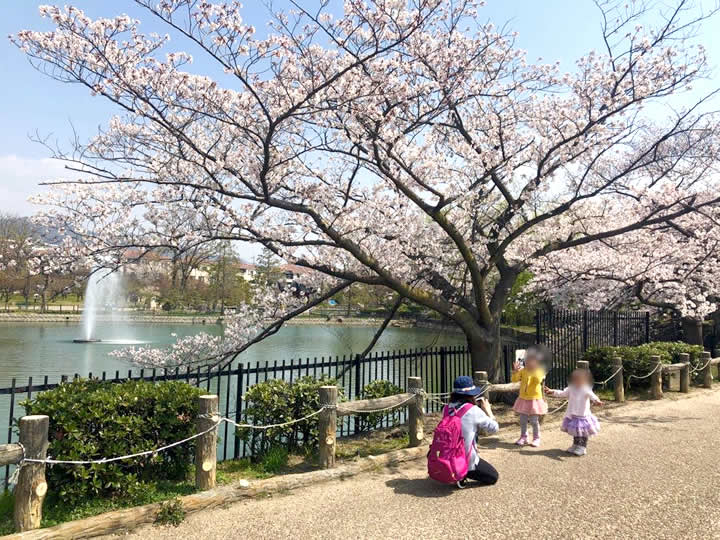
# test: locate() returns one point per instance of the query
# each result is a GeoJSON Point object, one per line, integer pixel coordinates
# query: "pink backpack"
{"type": "Point", "coordinates": [447, 460]}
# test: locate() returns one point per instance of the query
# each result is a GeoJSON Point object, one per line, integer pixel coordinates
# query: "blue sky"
{"type": "Point", "coordinates": [31, 102]}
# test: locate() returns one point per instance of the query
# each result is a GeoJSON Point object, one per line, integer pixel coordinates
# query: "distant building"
{"type": "Point", "coordinates": [246, 271]}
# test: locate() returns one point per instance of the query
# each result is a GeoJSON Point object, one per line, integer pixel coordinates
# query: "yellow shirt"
{"type": "Point", "coordinates": [531, 383]}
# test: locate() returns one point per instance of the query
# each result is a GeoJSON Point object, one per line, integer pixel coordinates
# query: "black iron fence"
{"type": "Point", "coordinates": [437, 367]}
{"type": "Point", "coordinates": [569, 333]}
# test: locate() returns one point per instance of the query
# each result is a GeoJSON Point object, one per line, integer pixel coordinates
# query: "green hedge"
{"type": "Point", "coordinates": [374, 390]}
{"type": "Point", "coordinates": [636, 360]}
{"type": "Point", "coordinates": [92, 419]}
{"type": "Point", "coordinates": [277, 401]}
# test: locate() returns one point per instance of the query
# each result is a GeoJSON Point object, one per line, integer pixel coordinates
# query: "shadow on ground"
{"type": "Point", "coordinates": [650, 419]}
{"type": "Point", "coordinates": [419, 487]}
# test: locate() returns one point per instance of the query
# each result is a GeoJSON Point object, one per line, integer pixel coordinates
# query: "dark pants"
{"type": "Point", "coordinates": [580, 441]}
{"type": "Point", "coordinates": [484, 473]}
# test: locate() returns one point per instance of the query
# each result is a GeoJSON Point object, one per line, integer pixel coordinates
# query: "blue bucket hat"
{"type": "Point", "coordinates": [465, 386]}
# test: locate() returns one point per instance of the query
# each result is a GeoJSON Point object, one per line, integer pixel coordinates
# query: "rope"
{"type": "Point", "coordinates": [695, 370]}
{"type": "Point", "coordinates": [14, 476]}
{"type": "Point", "coordinates": [611, 377]}
{"type": "Point", "coordinates": [560, 407]}
{"type": "Point", "coordinates": [631, 376]}
{"type": "Point", "coordinates": [50, 461]}
{"type": "Point", "coordinates": [283, 424]}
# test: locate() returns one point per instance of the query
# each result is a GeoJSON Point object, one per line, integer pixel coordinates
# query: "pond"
{"type": "Point", "coordinates": [39, 349]}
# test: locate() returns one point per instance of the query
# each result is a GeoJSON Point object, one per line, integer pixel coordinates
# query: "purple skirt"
{"type": "Point", "coordinates": [581, 426]}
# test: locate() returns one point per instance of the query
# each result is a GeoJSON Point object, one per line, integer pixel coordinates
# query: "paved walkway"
{"type": "Point", "coordinates": [653, 472]}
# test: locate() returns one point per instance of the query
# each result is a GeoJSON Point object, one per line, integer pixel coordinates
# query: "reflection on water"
{"type": "Point", "coordinates": [39, 349]}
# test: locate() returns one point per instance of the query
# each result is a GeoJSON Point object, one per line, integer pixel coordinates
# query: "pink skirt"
{"type": "Point", "coordinates": [536, 407]}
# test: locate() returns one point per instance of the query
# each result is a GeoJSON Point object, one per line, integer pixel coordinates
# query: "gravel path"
{"type": "Point", "coordinates": [653, 472]}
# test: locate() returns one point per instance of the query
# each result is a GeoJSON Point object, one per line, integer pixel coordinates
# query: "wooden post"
{"type": "Point", "coordinates": [685, 373]}
{"type": "Point", "coordinates": [415, 411]}
{"type": "Point", "coordinates": [583, 364]}
{"type": "Point", "coordinates": [656, 378]}
{"type": "Point", "coordinates": [480, 378]}
{"type": "Point", "coordinates": [707, 372]}
{"type": "Point", "coordinates": [206, 446]}
{"type": "Point", "coordinates": [327, 426]}
{"type": "Point", "coordinates": [31, 485]}
{"type": "Point", "coordinates": [619, 381]}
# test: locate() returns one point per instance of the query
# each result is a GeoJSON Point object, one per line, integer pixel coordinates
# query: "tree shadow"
{"type": "Point", "coordinates": [650, 419]}
{"type": "Point", "coordinates": [494, 444]}
{"type": "Point", "coordinates": [420, 487]}
{"type": "Point", "coordinates": [552, 453]}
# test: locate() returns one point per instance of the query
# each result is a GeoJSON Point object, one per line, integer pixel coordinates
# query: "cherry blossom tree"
{"type": "Point", "coordinates": [403, 144]}
{"type": "Point", "coordinates": [673, 266]}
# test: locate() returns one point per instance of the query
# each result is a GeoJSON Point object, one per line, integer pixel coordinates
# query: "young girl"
{"type": "Point", "coordinates": [530, 404]}
{"type": "Point", "coordinates": [579, 421]}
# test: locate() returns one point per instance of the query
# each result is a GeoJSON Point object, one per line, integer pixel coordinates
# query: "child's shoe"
{"type": "Point", "coordinates": [522, 441]}
{"type": "Point", "coordinates": [580, 451]}
{"type": "Point", "coordinates": [535, 442]}
{"type": "Point", "coordinates": [572, 449]}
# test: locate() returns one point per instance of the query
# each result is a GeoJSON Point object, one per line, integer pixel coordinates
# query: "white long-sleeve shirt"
{"type": "Point", "coordinates": [579, 398]}
{"type": "Point", "coordinates": [474, 420]}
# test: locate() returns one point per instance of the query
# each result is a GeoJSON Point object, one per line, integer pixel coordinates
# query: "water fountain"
{"type": "Point", "coordinates": [103, 290]}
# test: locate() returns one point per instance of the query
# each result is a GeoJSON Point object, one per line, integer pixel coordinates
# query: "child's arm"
{"type": "Point", "coordinates": [516, 372]}
{"type": "Point", "coordinates": [557, 393]}
{"type": "Point", "coordinates": [593, 398]}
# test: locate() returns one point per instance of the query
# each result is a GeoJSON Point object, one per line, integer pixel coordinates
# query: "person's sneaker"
{"type": "Point", "coordinates": [522, 441]}
{"type": "Point", "coordinates": [580, 450]}
{"type": "Point", "coordinates": [462, 483]}
{"type": "Point", "coordinates": [572, 449]}
{"type": "Point", "coordinates": [535, 442]}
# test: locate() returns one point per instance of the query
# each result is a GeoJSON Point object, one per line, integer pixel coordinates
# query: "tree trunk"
{"type": "Point", "coordinates": [693, 330]}
{"type": "Point", "coordinates": [485, 353]}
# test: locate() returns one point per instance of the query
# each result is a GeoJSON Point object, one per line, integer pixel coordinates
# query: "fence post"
{"type": "Point", "coordinates": [358, 373]}
{"type": "Point", "coordinates": [647, 327]}
{"type": "Point", "coordinates": [685, 373]}
{"type": "Point", "coordinates": [585, 331]}
{"type": "Point", "coordinates": [31, 486]}
{"type": "Point", "coordinates": [656, 378]}
{"type": "Point", "coordinates": [327, 426]}
{"type": "Point", "coordinates": [206, 446]}
{"type": "Point", "coordinates": [537, 326]}
{"type": "Point", "coordinates": [615, 328]}
{"type": "Point", "coordinates": [443, 370]}
{"type": "Point", "coordinates": [415, 411]}
{"type": "Point", "coordinates": [619, 381]}
{"type": "Point", "coordinates": [480, 378]}
{"type": "Point", "coordinates": [707, 372]}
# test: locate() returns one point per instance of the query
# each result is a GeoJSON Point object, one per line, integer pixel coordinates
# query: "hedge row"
{"type": "Point", "coordinates": [636, 360]}
{"type": "Point", "coordinates": [91, 420]}
{"type": "Point", "coordinates": [277, 401]}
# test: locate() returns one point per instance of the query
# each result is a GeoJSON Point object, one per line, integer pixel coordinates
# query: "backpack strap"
{"type": "Point", "coordinates": [460, 412]}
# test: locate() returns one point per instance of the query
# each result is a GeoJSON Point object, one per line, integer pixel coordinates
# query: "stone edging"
{"type": "Point", "coordinates": [131, 518]}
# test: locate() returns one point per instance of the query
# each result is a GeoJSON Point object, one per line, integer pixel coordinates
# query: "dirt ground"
{"type": "Point", "coordinates": [653, 472]}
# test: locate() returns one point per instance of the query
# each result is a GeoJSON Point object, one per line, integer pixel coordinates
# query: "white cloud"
{"type": "Point", "coordinates": [20, 177]}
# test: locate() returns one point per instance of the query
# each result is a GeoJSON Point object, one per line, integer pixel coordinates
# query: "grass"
{"type": "Point", "coordinates": [278, 461]}
{"type": "Point", "coordinates": [56, 512]}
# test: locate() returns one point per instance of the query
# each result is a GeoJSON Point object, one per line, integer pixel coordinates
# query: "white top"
{"type": "Point", "coordinates": [579, 398]}
{"type": "Point", "coordinates": [474, 420]}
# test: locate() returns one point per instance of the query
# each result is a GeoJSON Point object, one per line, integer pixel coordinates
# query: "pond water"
{"type": "Point", "coordinates": [39, 349]}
